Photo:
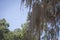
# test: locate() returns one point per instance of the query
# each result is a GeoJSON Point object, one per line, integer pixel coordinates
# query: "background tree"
{"type": "Point", "coordinates": [3, 28]}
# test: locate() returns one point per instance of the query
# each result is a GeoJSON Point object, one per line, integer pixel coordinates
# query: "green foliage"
{"type": "Point", "coordinates": [17, 34]}
{"type": "Point", "coordinates": [3, 28]}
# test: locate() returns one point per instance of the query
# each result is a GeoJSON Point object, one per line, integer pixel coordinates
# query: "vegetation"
{"type": "Point", "coordinates": [43, 19]}
{"type": "Point", "coordinates": [17, 34]}
{"type": "Point", "coordinates": [43, 14]}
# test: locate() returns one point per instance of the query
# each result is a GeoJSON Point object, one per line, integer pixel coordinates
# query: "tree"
{"type": "Point", "coordinates": [43, 12]}
{"type": "Point", "coordinates": [3, 28]}
{"type": "Point", "coordinates": [37, 16]}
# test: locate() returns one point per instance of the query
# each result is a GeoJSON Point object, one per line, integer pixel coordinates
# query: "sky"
{"type": "Point", "coordinates": [13, 12]}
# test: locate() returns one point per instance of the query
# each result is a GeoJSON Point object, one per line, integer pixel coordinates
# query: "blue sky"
{"type": "Point", "coordinates": [10, 10]}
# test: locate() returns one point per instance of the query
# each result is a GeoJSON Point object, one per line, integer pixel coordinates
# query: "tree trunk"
{"type": "Point", "coordinates": [36, 18]}
{"type": "Point", "coordinates": [39, 35]}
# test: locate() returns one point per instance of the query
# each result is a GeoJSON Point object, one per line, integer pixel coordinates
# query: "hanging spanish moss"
{"type": "Point", "coordinates": [44, 13]}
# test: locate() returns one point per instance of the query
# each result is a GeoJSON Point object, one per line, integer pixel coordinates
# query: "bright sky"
{"type": "Point", "coordinates": [10, 10]}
